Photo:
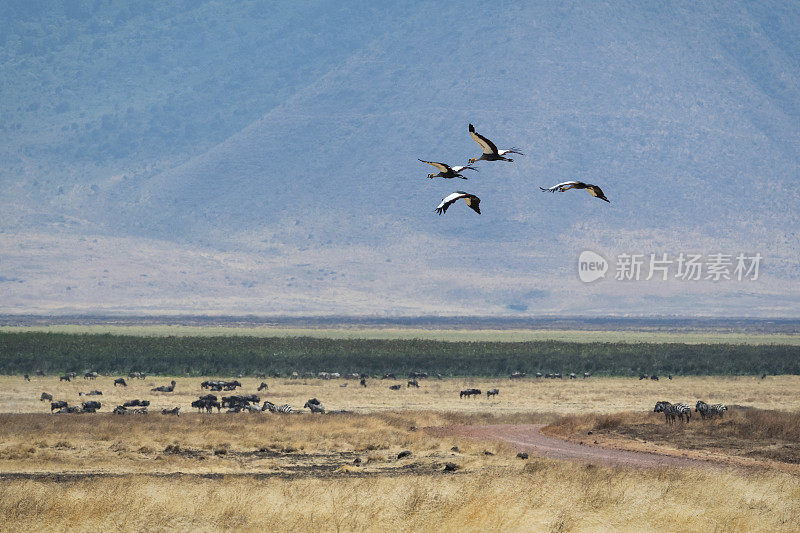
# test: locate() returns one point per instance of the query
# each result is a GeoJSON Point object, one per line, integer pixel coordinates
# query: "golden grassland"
{"type": "Point", "coordinates": [534, 495]}
{"type": "Point", "coordinates": [744, 433]}
{"type": "Point", "coordinates": [530, 395]}
{"type": "Point", "coordinates": [437, 334]}
{"type": "Point", "coordinates": [342, 472]}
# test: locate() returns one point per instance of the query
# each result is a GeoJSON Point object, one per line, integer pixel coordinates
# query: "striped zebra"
{"type": "Point", "coordinates": [669, 410]}
{"type": "Point", "coordinates": [718, 409]}
{"type": "Point", "coordinates": [703, 408]}
{"type": "Point", "coordinates": [272, 408]}
{"type": "Point", "coordinates": [683, 411]}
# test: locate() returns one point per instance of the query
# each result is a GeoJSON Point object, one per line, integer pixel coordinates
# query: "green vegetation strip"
{"type": "Point", "coordinates": [115, 354]}
{"type": "Point", "coordinates": [445, 334]}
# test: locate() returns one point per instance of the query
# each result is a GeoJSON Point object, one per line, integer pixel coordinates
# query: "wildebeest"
{"type": "Point", "coordinates": [27, 377]}
{"type": "Point", "coordinates": [39, 373]}
{"type": "Point", "coordinates": [492, 392]}
{"type": "Point", "coordinates": [654, 377]}
{"type": "Point", "coordinates": [239, 400]}
{"type": "Point", "coordinates": [90, 375]}
{"type": "Point", "coordinates": [46, 397]}
{"type": "Point", "coordinates": [315, 406]}
{"type": "Point", "coordinates": [90, 407]}
{"type": "Point", "coordinates": [363, 382]}
{"type": "Point", "coordinates": [120, 382]}
{"type": "Point", "coordinates": [61, 404]}
{"type": "Point", "coordinates": [136, 403]}
{"type": "Point", "coordinates": [137, 375]}
{"type": "Point", "coordinates": [466, 393]}
{"type": "Point", "coordinates": [394, 387]}
{"type": "Point", "coordinates": [64, 378]}
{"type": "Point", "coordinates": [572, 375]}
{"type": "Point", "coordinates": [207, 402]}
{"type": "Point", "coordinates": [165, 388]}
{"type": "Point", "coordinates": [517, 375]}
{"type": "Point", "coordinates": [294, 375]}
{"type": "Point", "coordinates": [174, 411]}
{"type": "Point", "coordinates": [69, 410]}
{"type": "Point", "coordinates": [412, 383]}
{"type": "Point", "coordinates": [417, 375]}
{"type": "Point", "coordinates": [263, 386]}
{"type": "Point", "coordinates": [120, 410]}
{"type": "Point", "coordinates": [390, 375]}
{"type": "Point", "coordinates": [261, 375]}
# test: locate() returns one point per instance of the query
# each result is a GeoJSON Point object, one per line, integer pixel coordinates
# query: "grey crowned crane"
{"type": "Point", "coordinates": [594, 190]}
{"type": "Point", "coordinates": [472, 201]}
{"type": "Point", "coordinates": [490, 151]}
{"type": "Point", "coordinates": [446, 171]}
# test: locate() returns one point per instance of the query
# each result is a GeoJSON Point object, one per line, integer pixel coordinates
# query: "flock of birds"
{"type": "Point", "coordinates": [492, 153]}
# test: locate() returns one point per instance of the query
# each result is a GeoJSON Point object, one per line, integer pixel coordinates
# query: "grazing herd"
{"type": "Point", "coordinates": [683, 412]}
{"type": "Point", "coordinates": [239, 403]}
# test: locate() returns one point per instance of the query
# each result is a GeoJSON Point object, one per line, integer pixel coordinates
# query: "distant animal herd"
{"type": "Point", "coordinates": [238, 403]}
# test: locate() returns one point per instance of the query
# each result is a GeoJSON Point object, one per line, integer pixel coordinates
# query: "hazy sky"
{"type": "Point", "coordinates": [215, 157]}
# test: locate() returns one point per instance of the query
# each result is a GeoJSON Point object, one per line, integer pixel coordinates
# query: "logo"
{"type": "Point", "coordinates": [591, 266]}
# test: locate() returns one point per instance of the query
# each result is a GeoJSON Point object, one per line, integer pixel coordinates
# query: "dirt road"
{"type": "Point", "coordinates": [529, 438]}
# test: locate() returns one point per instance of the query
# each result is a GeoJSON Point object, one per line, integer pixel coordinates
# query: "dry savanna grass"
{"type": "Point", "coordinates": [534, 495]}
{"type": "Point", "coordinates": [342, 471]}
{"type": "Point", "coordinates": [261, 444]}
{"type": "Point", "coordinates": [742, 432]}
{"type": "Point", "coordinates": [530, 395]}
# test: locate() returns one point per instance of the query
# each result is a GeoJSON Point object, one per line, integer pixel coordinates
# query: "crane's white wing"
{"type": "Point", "coordinates": [472, 201]}
{"type": "Point", "coordinates": [561, 187]}
{"type": "Point", "coordinates": [466, 167]}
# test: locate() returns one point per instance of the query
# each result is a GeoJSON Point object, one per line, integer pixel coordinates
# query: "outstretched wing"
{"type": "Point", "coordinates": [564, 186]}
{"type": "Point", "coordinates": [440, 166]}
{"type": "Point", "coordinates": [472, 201]}
{"type": "Point", "coordinates": [597, 192]}
{"type": "Point", "coordinates": [467, 167]}
{"type": "Point", "coordinates": [486, 145]}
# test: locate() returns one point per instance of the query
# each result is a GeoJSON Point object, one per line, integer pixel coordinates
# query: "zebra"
{"type": "Point", "coordinates": [670, 413]}
{"type": "Point", "coordinates": [272, 408]}
{"type": "Point", "coordinates": [702, 408]}
{"type": "Point", "coordinates": [718, 409]}
{"type": "Point", "coordinates": [492, 392]}
{"type": "Point", "coordinates": [683, 411]}
{"type": "Point", "coordinates": [517, 375]}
